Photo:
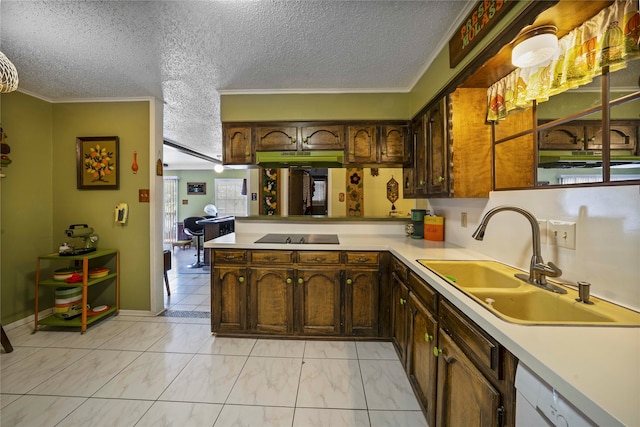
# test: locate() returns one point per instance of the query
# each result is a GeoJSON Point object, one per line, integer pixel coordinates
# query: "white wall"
{"type": "Point", "coordinates": [607, 220]}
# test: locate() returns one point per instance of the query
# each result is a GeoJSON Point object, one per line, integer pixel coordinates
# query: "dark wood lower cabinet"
{"type": "Point", "coordinates": [421, 361]}
{"type": "Point", "coordinates": [278, 292]}
{"type": "Point", "coordinates": [460, 374]}
{"type": "Point", "coordinates": [271, 300]}
{"type": "Point", "coordinates": [229, 291]}
{"type": "Point", "coordinates": [318, 294]}
{"type": "Point", "coordinates": [399, 313]}
{"type": "Point", "coordinates": [464, 396]}
{"type": "Point", "coordinates": [361, 302]}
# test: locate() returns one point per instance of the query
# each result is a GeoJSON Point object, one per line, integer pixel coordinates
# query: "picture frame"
{"type": "Point", "coordinates": [98, 162]}
{"type": "Point", "coordinates": [197, 188]}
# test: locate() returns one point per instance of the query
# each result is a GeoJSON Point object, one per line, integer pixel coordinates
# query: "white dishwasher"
{"type": "Point", "coordinates": [538, 404]}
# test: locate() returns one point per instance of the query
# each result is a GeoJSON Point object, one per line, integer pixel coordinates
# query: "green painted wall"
{"type": "Point", "coordinates": [26, 196]}
{"type": "Point", "coordinates": [40, 199]}
{"type": "Point", "coordinates": [345, 106]}
{"type": "Point", "coordinates": [130, 122]}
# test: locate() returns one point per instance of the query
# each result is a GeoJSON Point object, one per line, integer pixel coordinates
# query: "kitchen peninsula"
{"type": "Point", "coordinates": [596, 368]}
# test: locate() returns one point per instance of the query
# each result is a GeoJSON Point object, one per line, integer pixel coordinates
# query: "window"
{"type": "Point", "coordinates": [228, 197]}
{"type": "Point", "coordinates": [170, 210]}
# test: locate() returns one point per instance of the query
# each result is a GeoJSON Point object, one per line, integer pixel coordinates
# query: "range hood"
{"type": "Point", "coordinates": [285, 159]}
{"type": "Point", "coordinates": [552, 159]}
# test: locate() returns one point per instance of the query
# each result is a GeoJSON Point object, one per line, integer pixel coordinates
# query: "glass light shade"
{"type": "Point", "coordinates": [218, 168]}
{"type": "Point", "coordinates": [534, 50]}
{"type": "Point", "coordinates": [8, 75]}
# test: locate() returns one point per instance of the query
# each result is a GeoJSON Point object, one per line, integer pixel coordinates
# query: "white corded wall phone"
{"type": "Point", "coordinates": [122, 211]}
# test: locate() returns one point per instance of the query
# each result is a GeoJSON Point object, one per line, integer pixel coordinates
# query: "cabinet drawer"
{"type": "Point", "coordinates": [425, 292]}
{"type": "Point", "coordinates": [480, 347]}
{"type": "Point", "coordinates": [230, 256]}
{"type": "Point", "coordinates": [319, 257]}
{"type": "Point", "coordinates": [272, 257]}
{"type": "Point", "coordinates": [399, 269]}
{"type": "Point", "coordinates": [363, 258]}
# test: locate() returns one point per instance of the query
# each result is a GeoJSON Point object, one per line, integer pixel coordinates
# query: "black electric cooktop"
{"type": "Point", "coordinates": [300, 239]}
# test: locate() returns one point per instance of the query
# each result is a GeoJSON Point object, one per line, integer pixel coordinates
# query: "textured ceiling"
{"type": "Point", "coordinates": [187, 52]}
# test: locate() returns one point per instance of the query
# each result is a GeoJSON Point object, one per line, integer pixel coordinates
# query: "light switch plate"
{"type": "Point", "coordinates": [562, 234]}
{"type": "Point", "coordinates": [143, 195]}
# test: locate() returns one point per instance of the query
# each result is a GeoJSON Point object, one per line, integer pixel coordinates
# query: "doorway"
{"type": "Point", "coordinates": [308, 191]}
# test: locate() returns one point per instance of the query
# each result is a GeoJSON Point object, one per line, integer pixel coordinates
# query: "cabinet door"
{"type": "Point", "coordinates": [362, 146]}
{"type": "Point", "coordinates": [322, 137]}
{"type": "Point", "coordinates": [277, 138]}
{"type": "Point", "coordinates": [420, 156]}
{"type": "Point", "coordinates": [562, 137]}
{"type": "Point", "coordinates": [421, 362]}
{"type": "Point", "coordinates": [229, 299]}
{"type": "Point", "coordinates": [318, 301]}
{"type": "Point", "coordinates": [238, 147]}
{"type": "Point", "coordinates": [361, 302]}
{"type": "Point", "coordinates": [438, 150]}
{"type": "Point", "coordinates": [408, 185]}
{"type": "Point", "coordinates": [621, 137]}
{"type": "Point", "coordinates": [271, 300]}
{"type": "Point", "coordinates": [464, 396]}
{"type": "Point", "coordinates": [394, 144]}
{"type": "Point", "coordinates": [400, 293]}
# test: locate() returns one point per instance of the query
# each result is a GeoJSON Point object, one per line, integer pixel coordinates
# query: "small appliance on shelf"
{"type": "Point", "coordinates": [84, 232]}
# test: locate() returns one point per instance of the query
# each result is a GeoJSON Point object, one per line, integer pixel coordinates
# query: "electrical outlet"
{"type": "Point", "coordinates": [563, 234]}
{"type": "Point", "coordinates": [463, 219]}
{"type": "Point", "coordinates": [542, 223]}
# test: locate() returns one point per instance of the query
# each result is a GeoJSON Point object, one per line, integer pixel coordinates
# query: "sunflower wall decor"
{"type": "Point", "coordinates": [355, 201]}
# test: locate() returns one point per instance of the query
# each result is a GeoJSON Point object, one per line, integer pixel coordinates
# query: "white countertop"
{"type": "Point", "coordinates": [595, 368]}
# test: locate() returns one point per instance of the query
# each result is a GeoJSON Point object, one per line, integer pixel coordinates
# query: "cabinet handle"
{"type": "Point", "coordinates": [349, 281]}
{"type": "Point", "coordinates": [384, 151]}
{"type": "Point", "coordinates": [436, 351]}
{"type": "Point", "coordinates": [300, 280]}
{"type": "Point", "coordinates": [421, 182]}
{"type": "Point", "coordinates": [230, 257]}
{"type": "Point", "coordinates": [320, 259]}
{"type": "Point", "coordinates": [362, 259]}
{"type": "Point", "coordinates": [240, 279]}
{"type": "Point", "coordinates": [403, 301]}
{"type": "Point", "coordinates": [289, 280]}
{"type": "Point", "coordinates": [352, 152]}
{"type": "Point", "coordinates": [440, 179]}
{"type": "Point", "coordinates": [305, 140]}
{"type": "Point", "coordinates": [293, 140]}
{"type": "Point", "coordinates": [246, 153]}
{"type": "Point", "coordinates": [271, 258]}
{"type": "Point", "coordinates": [427, 337]}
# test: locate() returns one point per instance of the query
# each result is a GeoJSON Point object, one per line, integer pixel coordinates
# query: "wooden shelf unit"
{"type": "Point", "coordinates": [83, 320]}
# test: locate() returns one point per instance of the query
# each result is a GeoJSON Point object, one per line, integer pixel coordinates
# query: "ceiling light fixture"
{"type": "Point", "coordinates": [8, 75]}
{"type": "Point", "coordinates": [535, 46]}
{"type": "Point", "coordinates": [218, 168]}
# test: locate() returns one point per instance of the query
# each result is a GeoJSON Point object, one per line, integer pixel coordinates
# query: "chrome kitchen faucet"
{"type": "Point", "coordinates": [538, 270]}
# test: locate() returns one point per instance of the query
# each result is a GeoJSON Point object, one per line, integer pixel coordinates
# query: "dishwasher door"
{"type": "Point", "coordinates": [539, 405]}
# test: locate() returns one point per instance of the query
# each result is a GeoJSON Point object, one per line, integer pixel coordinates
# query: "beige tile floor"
{"type": "Point", "coordinates": [171, 371]}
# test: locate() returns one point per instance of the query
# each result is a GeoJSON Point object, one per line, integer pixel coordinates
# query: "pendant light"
{"type": "Point", "coordinates": [8, 75]}
{"type": "Point", "coordinates": [535, 46]}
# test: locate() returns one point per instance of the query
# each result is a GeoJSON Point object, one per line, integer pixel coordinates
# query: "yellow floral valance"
{"type": "Point", "coordinates": [608, 39]}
